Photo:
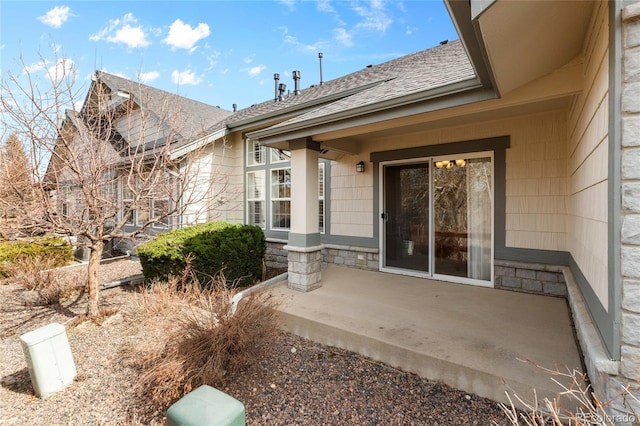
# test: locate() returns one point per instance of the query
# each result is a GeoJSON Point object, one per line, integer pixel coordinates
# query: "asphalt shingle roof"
{"type": "Point", "coordinates": [422, 71]}
{"type": "Point", "coordinates": [195, 117]}
{"type": "Point", "coordinates": [418, 72]}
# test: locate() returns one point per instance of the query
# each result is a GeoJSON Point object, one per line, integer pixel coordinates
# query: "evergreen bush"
{"type": "Point", "coordinates": [57, 251]}
{"type": "Point", "coordinates": [235, 250]}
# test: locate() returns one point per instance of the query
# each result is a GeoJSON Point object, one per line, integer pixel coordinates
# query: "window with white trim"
{"type": "Point", "coordinates": [256, 153]}
{"type": "Point", "coordinates": [127, 203]}
{"type": "Point", "coordinates": [281, 198]}
{"type": "Point", "coordinates": [279, 155]}
{"type": "Point", "coordinates": [256, 214]}
{"type": "Point", "coordinates": [160, 212]}
{"type": "Point", "coordinates": [143, 213]}
{"type": "Point", "coordinates": [66, 200]}
{"type": "Point", "coordinates": [268, 188]}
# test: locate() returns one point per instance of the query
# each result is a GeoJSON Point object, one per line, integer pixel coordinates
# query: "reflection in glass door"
{"type": "Point", "coordinates": [462, 206]}
{"type": "Point", "coordinates": [406, 216]}
{"type": "Point", "coordinates": [437, 217]}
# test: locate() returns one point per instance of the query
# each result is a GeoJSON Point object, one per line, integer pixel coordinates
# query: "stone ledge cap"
{"type": "Point", "coordinates": [588, 337]}
{"type": "Point", "coordinates": [303, 249]}
{"type": "Point", "coordinates": [352, 248]}
{"type": "Point", "coordinates": [631, 12]}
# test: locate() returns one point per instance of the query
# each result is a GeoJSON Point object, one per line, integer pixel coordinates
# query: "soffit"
{"type": "Point", "coordinates": [525, 40]}
{"type": "Point", "coordinates": [465, 115]}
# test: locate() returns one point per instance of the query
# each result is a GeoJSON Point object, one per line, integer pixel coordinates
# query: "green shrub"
{"type": "Point", "coordinates": [57, 251]}
{"type": "Point", "coordinates": [235, 250]}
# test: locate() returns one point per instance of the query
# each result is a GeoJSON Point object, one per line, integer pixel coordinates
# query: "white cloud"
{"type": "Point", "coordinates": [56, 16]}
{"type": "Point", "coordinates": [247, 60]}
{"type": "Point", "coordinates": [183, 36]}
{"type": "Point", "coordinates": [316, 47]}
{"type": "Point", "coordinates": [131, 36]}
{"type": "Point", "coordinates": [343, 36]}
{"type": "Point", "coordinates": [35, 67]}
{"type": "Point", "coordinates": [148, 77]}
{"type": "Point", "coordinates": [289, 3]}
{"type": "Point", "coordinates": [255, 71]}
{"type": "Point", "coordinates": [63, 68]}
{"type": "Point", "coordinates": [325, 6]}
{"type": "Point", "coordinates": [121, 31]}
{"type": "Point", "coordinates": [213, 60]}
{"type": "Point", "coordinates": [374, 16]}
{"type": "Point", "coordinates": [185, 77]}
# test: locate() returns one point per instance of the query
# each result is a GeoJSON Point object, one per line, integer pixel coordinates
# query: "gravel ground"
{"type": "Point", "coordinates": [299, 383]}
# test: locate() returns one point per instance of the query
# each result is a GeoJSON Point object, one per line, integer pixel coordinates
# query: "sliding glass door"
{"type": "Point", "coordinates": [437, 218]}
{"type": "Point", "coordinates": [406, 216]}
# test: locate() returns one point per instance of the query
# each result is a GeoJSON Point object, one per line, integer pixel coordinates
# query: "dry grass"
{"type": "Point", "coordinates": [206, 343]}
{"type": "Point", "coordinates": [38, 274]}
{"type": "Point", "coordinates": [589, 411]}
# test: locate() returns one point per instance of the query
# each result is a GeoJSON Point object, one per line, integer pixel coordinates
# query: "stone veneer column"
{"type": "Point", "coordinates": [305, 268]}
{"type": "Point", "coordinates": [630, 179]}
{"type": "Point", "coordinates": [304, 249]}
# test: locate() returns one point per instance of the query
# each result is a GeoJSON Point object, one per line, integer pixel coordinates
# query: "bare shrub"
{"type": "Point", "coordinates": [589, 411]}
{"type": "Point", "coordinates": [208, 343]}
{"type": "Point", "coordinates": [163, 297]}
{"type": "Point", "coordinates": [39, 275]}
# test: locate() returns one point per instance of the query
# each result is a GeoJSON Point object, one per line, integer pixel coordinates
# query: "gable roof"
{"type": "Point", "coordinates": [198, 117]}
{"type": "Point", "coordinates": [420, 72]}
{"type": "Point", "coordinates": [434, 72]}
{"type": "Point", "coordinates": [420, 76]}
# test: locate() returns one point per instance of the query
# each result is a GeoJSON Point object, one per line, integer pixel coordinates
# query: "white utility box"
{"type": "Point", "coordinates": [49, 359]}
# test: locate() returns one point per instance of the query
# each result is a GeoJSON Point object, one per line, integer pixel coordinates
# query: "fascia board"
{"type": "Point", "coordinates": [363, 120]}
{"type": "Point", "coordinates": [369, 114]}
{"type": "Point", "coordinates": [295, 110]}
{"type": "Point", "coordinates": [468, 29]}
{"type": "Point", "coordinates": [198, 143]}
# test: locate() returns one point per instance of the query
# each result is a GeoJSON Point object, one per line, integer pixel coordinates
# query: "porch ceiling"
{"type": "Point", "coordinates": [467, 114]}
{"type": "Point", "coordinates": [525, 40]}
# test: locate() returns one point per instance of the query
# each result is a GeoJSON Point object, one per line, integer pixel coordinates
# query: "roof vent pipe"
{"type": "Point", "coordinates": [281, 89]}
{"type": "Point", "coordinates": [296, 81]}
{"type": "Point", "coordinates": [276, 77]}
{"type": "Point", "coordinates": [320, 58]}
{"type": "Point", "coordinates": [235, 107]}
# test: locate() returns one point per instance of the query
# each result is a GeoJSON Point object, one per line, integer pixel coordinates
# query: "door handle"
{"type": "Point", "coordinates": [383, 216]}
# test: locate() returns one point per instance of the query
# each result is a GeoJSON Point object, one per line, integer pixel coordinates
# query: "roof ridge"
{"type": "Point", "coordinates": [155, 89]}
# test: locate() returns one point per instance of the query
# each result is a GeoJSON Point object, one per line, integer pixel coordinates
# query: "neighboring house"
{"type": "Point", "coordinates": [507, 159]}
{"type": "Point", "coordinates": [118, 158]}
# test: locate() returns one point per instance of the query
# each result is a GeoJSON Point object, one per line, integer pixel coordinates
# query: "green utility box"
{"type": "Point", "coordinates": [206, 406]}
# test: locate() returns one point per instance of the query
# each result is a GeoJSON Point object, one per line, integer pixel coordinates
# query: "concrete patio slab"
{"type": "Point", "coordinates": [481, 340]}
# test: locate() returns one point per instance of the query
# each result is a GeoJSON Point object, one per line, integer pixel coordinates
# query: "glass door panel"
{"type": "Point", "coordinates": [406, 216]}
{"type": "Point", "coordinates": [462, 215]}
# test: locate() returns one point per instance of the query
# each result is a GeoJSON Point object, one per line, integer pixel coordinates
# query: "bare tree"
{"type": "Point", "coordinates": [16, 180]}
{"type": "Point", "coordinates": [107, 170]}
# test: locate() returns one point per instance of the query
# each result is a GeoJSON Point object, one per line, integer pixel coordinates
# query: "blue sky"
{"type": "Point", "coordinates": [218, 52]}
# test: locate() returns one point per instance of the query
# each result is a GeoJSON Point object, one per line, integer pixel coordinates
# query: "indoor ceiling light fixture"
{"type": "Point", "coordinates": [447, 164]}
